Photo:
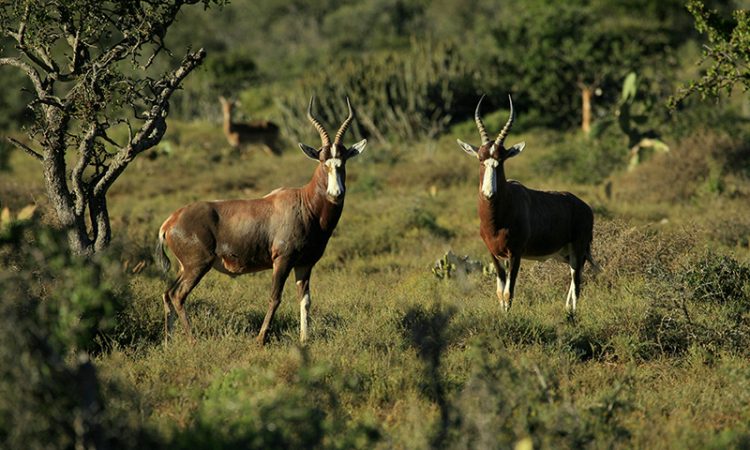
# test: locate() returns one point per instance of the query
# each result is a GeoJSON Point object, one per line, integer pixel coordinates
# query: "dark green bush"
{"type": "Point", "coordinates": [705, 303]}
{"type": "Point", "coordinates": [588, 160]}
{"type": "Point", "coordinates": [5, 150]}
{"type": "Point", "coordinates": [505, 401]}
{"type": "Point", "coordinates": [408, 95]}
{"type": "Point", "coordinates": [303, 413]}
{"type": "Point", "coordinates": [54, 308]}
{"type": "Point", "coordinates": [718, 279]}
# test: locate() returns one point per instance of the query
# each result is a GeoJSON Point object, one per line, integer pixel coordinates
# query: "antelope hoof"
{"type": "Point", "coordinates": [505, 305]}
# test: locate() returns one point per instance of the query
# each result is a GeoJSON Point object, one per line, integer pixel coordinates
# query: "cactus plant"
{"type": "Point", "coordinates": [396, 94]}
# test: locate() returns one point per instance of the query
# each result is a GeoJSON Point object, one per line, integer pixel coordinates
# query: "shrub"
{"type": "Point", "coordinates": [505, 401]}
{"type": "Point", "coordinates": [697, 164]}
{"type": "Point", "coordinates": [409, 95]}
{"type": "Point", "coordinates": [303, 413]}
{"type": "Point", "coordinates": [55, 307]}
{"type": "Point", "coordinates": [717, 278]}
{"type": "Point", "coordinates": [583, 159]}
{"type": "Point", "coordinates": [5, 150]}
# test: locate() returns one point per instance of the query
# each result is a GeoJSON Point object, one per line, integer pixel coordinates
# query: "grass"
{"type": "Point", "coordinates": [400, 359]}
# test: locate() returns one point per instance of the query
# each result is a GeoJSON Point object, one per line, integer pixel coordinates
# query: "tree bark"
{"type": "Point", "coordinates": [72, 113]}
{"type": "Point", "coordinates": [586, 92]}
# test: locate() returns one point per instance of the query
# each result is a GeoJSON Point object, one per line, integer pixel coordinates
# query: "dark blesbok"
{"type": "Point", "coordinates": [517, 222]}
{"type": "Point", "coordinates": [240, 135]}
{"type": "Point", "coordinates": [286, 230]}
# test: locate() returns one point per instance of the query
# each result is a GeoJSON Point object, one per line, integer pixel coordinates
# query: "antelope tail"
{"type": "Point", "coordinates": [160, 255]}
{"type": "Point", "coordinates": [594, 264]}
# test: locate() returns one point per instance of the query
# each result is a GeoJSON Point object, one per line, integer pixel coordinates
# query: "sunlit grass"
{"type": "Point", "coordinates": [601, 378]}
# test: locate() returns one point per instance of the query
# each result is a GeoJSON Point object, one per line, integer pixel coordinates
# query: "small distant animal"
{"type": "Point", "coordinates": [262, 133]}
{"type": "Point", "coordinates": [287, 230]}
{"type": "Point", "coordinates": [517, 222]}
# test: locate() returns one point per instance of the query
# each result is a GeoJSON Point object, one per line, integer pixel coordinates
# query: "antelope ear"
{"type": "Point", "coordinates": [515, 150]}
{"type": "Point", "coordinates": [468, 148]}
{"type": "Point", "coordinates": [356, 149]}
{"type": "Point", "coordinates": [311, 153]}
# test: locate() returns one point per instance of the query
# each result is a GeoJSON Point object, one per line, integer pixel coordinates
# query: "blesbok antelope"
{"type": "Point", "coordinates": [262, 133]}
{"type": "Point", "coordinates": [517, 222]}
{"type": "Point", "coordinates": [286, 230]}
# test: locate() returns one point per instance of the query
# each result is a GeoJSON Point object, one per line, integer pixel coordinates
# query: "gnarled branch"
{"type": "Point", "coordinates": [26, 148]}
{"type": "Point", "coordinates": [155, 126]}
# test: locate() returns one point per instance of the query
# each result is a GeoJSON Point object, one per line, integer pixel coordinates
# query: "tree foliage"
{"type": "Point", "coordinates": [89, 65]}
{"type": "Point", "coordinates": [556, 50]}
{"type": "Point", "coordinates": [727, 51]}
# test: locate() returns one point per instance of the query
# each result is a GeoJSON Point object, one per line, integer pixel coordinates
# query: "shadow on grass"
{"type": "Point", "coordinates": [427, 332]}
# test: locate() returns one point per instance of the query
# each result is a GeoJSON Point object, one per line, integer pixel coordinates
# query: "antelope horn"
{"type": "Point", "coordinates": [321, 131]}
{"type": "Point", "coordinates": [504, 132]}
{"type": "Point", "coordinates": [480, 124]}
{"type": "Point", "coordinates": [345, 125]}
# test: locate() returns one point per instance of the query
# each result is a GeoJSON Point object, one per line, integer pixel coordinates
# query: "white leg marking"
{"type": "Point", "coordinates": [304, 310]}
{"type": "Point", "coordinates": [500, 285]}
{"type": "Point", "coordinates": [501, 293]}
{"type": "Point", "coordinates": [572, 291]}
{"type": "Point", "coordinates": [506, 293]}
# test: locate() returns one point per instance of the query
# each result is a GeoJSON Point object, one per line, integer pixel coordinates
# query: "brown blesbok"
{"type": "Point", "coordinates": [262, 133]}
{"type": "Point", "coordinates": [286, 230]}
{"type": "Point", "coordinates": [517, 222]}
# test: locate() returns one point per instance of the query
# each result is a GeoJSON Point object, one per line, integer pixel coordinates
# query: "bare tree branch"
{"type": "Point", "coordinates": [26, 148]}
{"type": "Point", "coordinates": [31, 73]}
{"type": "Point", "coordinates": [79, 58]}
{"type": "Point", "coordinates": [155, 126]}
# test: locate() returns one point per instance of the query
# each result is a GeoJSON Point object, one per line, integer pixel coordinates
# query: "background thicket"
{"type": "Point", "coordinates": [656, 357]}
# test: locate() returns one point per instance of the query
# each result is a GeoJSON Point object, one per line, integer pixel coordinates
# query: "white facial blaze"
{"type": "Point", "coordinates": [335, 184]}
{"type": "Point", "coordinates": [489, 182]}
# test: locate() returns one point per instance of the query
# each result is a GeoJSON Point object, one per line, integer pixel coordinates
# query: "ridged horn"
{"type": "Point", "coordinates": [504, 132]}
{"type": "Point", "coordinates": [480, 124]}
{"type": "Point", "coordinates": [321, 131]}
{"type": "Point", "coordinates": [345, 125]}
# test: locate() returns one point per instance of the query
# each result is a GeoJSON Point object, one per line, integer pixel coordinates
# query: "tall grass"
{"type": "Point", "coordinates": [656, 356]}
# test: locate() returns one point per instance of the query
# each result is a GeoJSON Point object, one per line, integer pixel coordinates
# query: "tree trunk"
{"type": "Point", "coordinates": [586, 92]}
{"type": "Point", "coordinates": [62, 203]}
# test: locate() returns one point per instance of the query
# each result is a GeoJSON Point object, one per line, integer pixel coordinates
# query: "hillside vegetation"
{"type": "Point", "coordinates": [655, 357]}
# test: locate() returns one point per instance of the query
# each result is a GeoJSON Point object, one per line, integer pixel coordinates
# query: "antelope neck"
{"type": "Point", "coordinates": [315, 201]}
{"type": "Point", "coordinates": [227, 117]}
{"type": "Point", "coordinates": [490, 209]}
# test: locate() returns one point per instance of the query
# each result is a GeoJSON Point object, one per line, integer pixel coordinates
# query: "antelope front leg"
{"type": "Point", "coordinates": [510, 286]}
{"type": "Point", "coordinates": [302, 275]}
{"type": "Point", "coordinates": [281, 271]}
{"type": "Point", "coordinates": [576, 267]}
{"type": "Point", "coordinates": [501, 279]}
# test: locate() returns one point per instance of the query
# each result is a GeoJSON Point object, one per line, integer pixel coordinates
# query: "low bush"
{"type": "Point", "coordinates": [717, 279]}
{"type": "Point", "coordinates": [54, 310]}
{"type": "Point", "coordinates": [301, 411]}
{"type": "Point", "coordinates": [505, 401]}
{"type": "Point", "coordinates": [585, 160]}
{"type": "Point", "coordinates": [406, 94]}
{"type": "Point", "coordinates": [695, 165]}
